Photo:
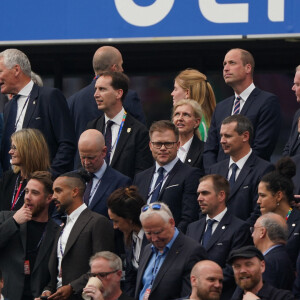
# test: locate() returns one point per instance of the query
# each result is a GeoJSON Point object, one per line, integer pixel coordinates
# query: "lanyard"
{"type": "Point", "coordinates": [156, 267]}
{"type": "Point", "coordinates": [17, 193]}
{"type": "Point", "coordinates": [151, 192]}
{"type": "Point", "coordinates": [17, 121]}
{"type": "Point", "coordinates": [40, 241]}
{"type": "Point", "coordinates": [119, 133]}
{"type": "Point", "coordinates": [93, 191]}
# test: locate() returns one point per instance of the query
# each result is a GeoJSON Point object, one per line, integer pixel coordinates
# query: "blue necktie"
{"type": "Point", "coordinates": [158, 184]}
{"type": "Point", "coordinates": [108, 140]}
{"type": "Point", "coordinates": [234, 168]}
{"type": "Point", "coordinates": [88, 189]}
{"type": "Point", "coordinates": [9, 130]}
{"type": "Point", "coordinates": [208, 232]}
{"type": "Point", "coordinates": [237, 105]}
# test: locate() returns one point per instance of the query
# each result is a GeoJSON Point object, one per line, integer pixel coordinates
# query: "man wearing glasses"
{"type": "Point", "coordinates": [169, 180]}
{"type": "Point", "coordinates": [107, 267]}
{"type": "Point", "coordinates": [167, 261]}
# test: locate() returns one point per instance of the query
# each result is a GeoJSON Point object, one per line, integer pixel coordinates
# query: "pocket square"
{"type": "Point", "coordinates": [172, 186]}
{"type": "Point", "coordinates": [38, 118]}
{"type": "Point", "coordinates": [246, 187]}
{"type": "Point", "coordinates": [220, 244]}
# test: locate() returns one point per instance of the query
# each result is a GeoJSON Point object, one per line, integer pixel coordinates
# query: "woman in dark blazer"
{"type": "Point", "coordinates": [124, 208]}
{"type": "Point", "coordinates": [187, 117]}
{"type": "Point", "coordinates": [29, 153]}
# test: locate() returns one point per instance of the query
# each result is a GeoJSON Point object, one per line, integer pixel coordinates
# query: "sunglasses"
{"type": "Point", "coordinates": [154, 206]}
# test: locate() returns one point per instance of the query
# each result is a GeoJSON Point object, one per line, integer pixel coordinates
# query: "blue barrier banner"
{"type": "Point", "coordinates": [41, 20]}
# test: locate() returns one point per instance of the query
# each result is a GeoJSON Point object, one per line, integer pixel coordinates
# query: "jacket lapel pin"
{"type": "Point", "coordinates": [189, 160]}
{"type": "Point", "coordinates": [128, 130]}
{"type": "Point", "coordinates": [33, 102]}
{"type": "Point", "coordinates": [223, 227]}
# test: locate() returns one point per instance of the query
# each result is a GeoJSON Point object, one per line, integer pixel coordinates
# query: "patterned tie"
{"type": "Point", "coordinates": [88, 189]}
{"type": "Point", "coordinates": [237, 105]}
{"type": "Point", "coordinates": [208, 232]}
{"type": "Point", "coordinates": [158, 185]}
{"type": "Point", "coordinates": [234, 168]}
{"type": "Point", "coordinates": [108, 140]}
{"type": "Point", "coordinates": [9, 130]}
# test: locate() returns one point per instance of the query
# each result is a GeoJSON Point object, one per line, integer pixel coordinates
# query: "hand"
{"type": "Point", "coordinates": [45, 293]}
{"type": "Point", "coordinates": [23, 215]}
{"type": "Point", "coordinates": [250, 296]}
{"type": "Point", "coordinates": [63, 293]}
{"type": "Point", "coordinates": [93, 292]}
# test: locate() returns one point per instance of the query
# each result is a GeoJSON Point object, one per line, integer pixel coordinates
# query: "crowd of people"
{"type": "Point", "coordinates": [93, 205]}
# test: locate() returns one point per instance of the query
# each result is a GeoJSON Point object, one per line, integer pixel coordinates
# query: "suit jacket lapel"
{"type": "Point", "coordinates": [77, 228]}
{"type": "Point", "coordinates": [292, 224]}
{"type": "Point", "coordinates": [146, 184]}
{"type": "Point", "coordinates": [249, 101]}
{"type": "Point", "coordinates": [200, 230]}
{"type": "Point", "coordinates": [32, 104]}
{"type": "Point", "coordinates": [147, 253]}
{"type": "Point", "coordinates": [193, 152]}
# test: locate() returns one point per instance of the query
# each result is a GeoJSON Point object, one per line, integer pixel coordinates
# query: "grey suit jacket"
{"type": "Point", "coordinates": [91, 233]}
{"type": "Point", "coordinates": [13, 250]}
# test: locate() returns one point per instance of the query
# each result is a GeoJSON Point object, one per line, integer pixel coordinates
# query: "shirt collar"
{"type": "Point", "coordinates": [241, 162]}
{"type": "Point", "coordinates": [118, 118]}
{"type": "Point", "coordinates": [246, 93]}
{"type": "Point", "coordinates": [187, 145]}
{"type": "Point", "coordinates": [218, 217]}
{"type": "Point", "coordinates": [101, 171]}
{"type": "Point", "coordinates": [138, 236]}
{"type": "Point", "coordinates": [26, 90]}
{"type": "Point", "coordinates": [169, 245]}
{"type": "Point", "coordinates": [76, 213]}
{"type": "Point", "coordinates": [169, 166]}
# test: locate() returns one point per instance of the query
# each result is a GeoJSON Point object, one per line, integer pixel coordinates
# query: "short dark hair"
{"type": "Point", "coordinates": [44, 177]}
{"type": "Point", "coordinates": [119, 81]}
{"type": "Point", "coordinates": [219, 184]}
{"type": "Point", "coordinates": [163, 125]}
{"type": "Point", "coordinates": [243, 124]}
{"type": "Point", "coordinates": [247, 58]}
{"type": "Point", "coordinates": [126, 203]}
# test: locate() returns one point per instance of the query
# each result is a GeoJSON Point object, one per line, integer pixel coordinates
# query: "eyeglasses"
{"type": "Point", "coordinates": [13, 148]}
{"type": "Point", "coordinates": [101, 274]}
{"type": "Point", "coordinates": [168, 145]}
{"type": "Point", "coordinates": [154, 206]}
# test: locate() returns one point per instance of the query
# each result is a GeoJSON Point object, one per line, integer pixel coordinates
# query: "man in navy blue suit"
{"type": "Point", "coordinates": [169, 180]}
{"type": "Point", "coordinates": [243, 168]}
{"type": "Point", "coordinates": [83, 107]}
{"type": "Point", "coordinates": [36, 107]}
{"type": "Point", "coordinates": [261, 107]}
{"type": "Point", "coordinates": [270, 234]}
{"type": "Point", "coordinates": [105, 179]}
{"type": "Point", "coordinates": [292, 146]}
{"type": "Point", "coordinates": [218, 230]}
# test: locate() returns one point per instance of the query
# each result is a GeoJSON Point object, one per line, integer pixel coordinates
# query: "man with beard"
{"type": "Point", "coordinates": [248, 265]}
{"type": "Point", "coordinates": [84, 234]}
{"type": "Point", "coordinates": [26, 241]}
{"type": "Point", "coordinates": [107, 267]}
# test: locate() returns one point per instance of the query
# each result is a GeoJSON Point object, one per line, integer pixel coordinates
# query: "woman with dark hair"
{"type": "Point", "coordinates": [29, 153]}
{"type": "Point", "coordinates": [124, 208]}
{"type": "Point", "coordinates": [276, 194]}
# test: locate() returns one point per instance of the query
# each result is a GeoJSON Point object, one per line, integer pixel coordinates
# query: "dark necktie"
{"type": "Point", "coordinates": [237, 105]}
{"type": "Point", "coordinates": [234, 168]}
{"type": "Point", "coordinates": [9, 130]}
{"type": "Point", "coordinates": [88, 189]}
{"type": "Point", "coordinates": [108, 140]}
{"type": "Point", "coordinates": [208, 232]}
{"type": "Point", "coordinates": [158, 185]}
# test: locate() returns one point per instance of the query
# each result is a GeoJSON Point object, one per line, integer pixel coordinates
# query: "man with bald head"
{"type": "Point", "coordinates": [105, 179]}
{"type": "Point", "coordinates": [270, 234]}
{"type": "Point", "coordinates": [83, 107]}
{"type": "Point", "coordinates": [261, 107]}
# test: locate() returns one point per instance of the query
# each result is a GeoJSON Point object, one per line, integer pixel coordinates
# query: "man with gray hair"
{"type": "Point", "coordinates": [269, 235]}
{"type": "Point", "coordinates": [167, 261]}
{"type": "Point", "coordinates": [107, 267]}
{"type": "Point", "coordinates": [35, 107]}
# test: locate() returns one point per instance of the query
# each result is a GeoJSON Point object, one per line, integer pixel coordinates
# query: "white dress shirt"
{"type": "Point", "coordinates": [217, 218]}
{"type": "Point", "coordinates": [138, 240]}
{"type": "Point", "coordinates": [240, 163]}
{"type": "Point", "coordinates": [244, 96]}
{"type": "Point", "coordinates": [184, 149]}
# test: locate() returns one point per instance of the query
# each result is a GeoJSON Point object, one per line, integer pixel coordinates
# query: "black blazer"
{"type": "Point", "coordinates": [263, 110]}
{"type": "Point", "coordinates": [173, 278]}
{"type": "Point", "coordinates": [48, 111]}
{"type": "Point", "coordinates": [194, 156]}
{"type": "Point", "coordinates": [243, 196]}
{"type": "Point", "coordinates": [179, 192]}
{"type": "Point", "coordinates": [91, 233]}
{"type": "Point", "coordinates": [132, 153]}
{"type": "Point", "coordinates": [292, 147]}
{"type": "Point", "coordinates": [13, 249]}
{"type": "Point", "coordinates": [293, 243]}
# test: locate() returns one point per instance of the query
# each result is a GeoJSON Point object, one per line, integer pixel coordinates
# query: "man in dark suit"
{"type": "Point", "coordinates": [104, 179]}
{"type": "Point", "coordinates": [270, 234]}
{"type": "Point", "coordinates": [243, 169]}
{"type": "Point", "coordinates": [126, 138]}
{"type": "Point", "coordinates": [248, 265]}
{"type": "Point", "coordinates": [166, 263]}
{"type": "Point", "coordinates": [26, 241]}
{"type": "Point", "coordinates": [219, 232]}
{"type": "Point", "coordinates": [169, 180]}
{"type": "Point", "coordinates": [83, 107]}
{"type": "Point", "coordinates": [261, 107]}
{"type": "Point", "coordinates": [35, 107]}
{"type": "Point", "coordinates": [292, 146]}
{"type": "Point", "coordinates": [84, 234]}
